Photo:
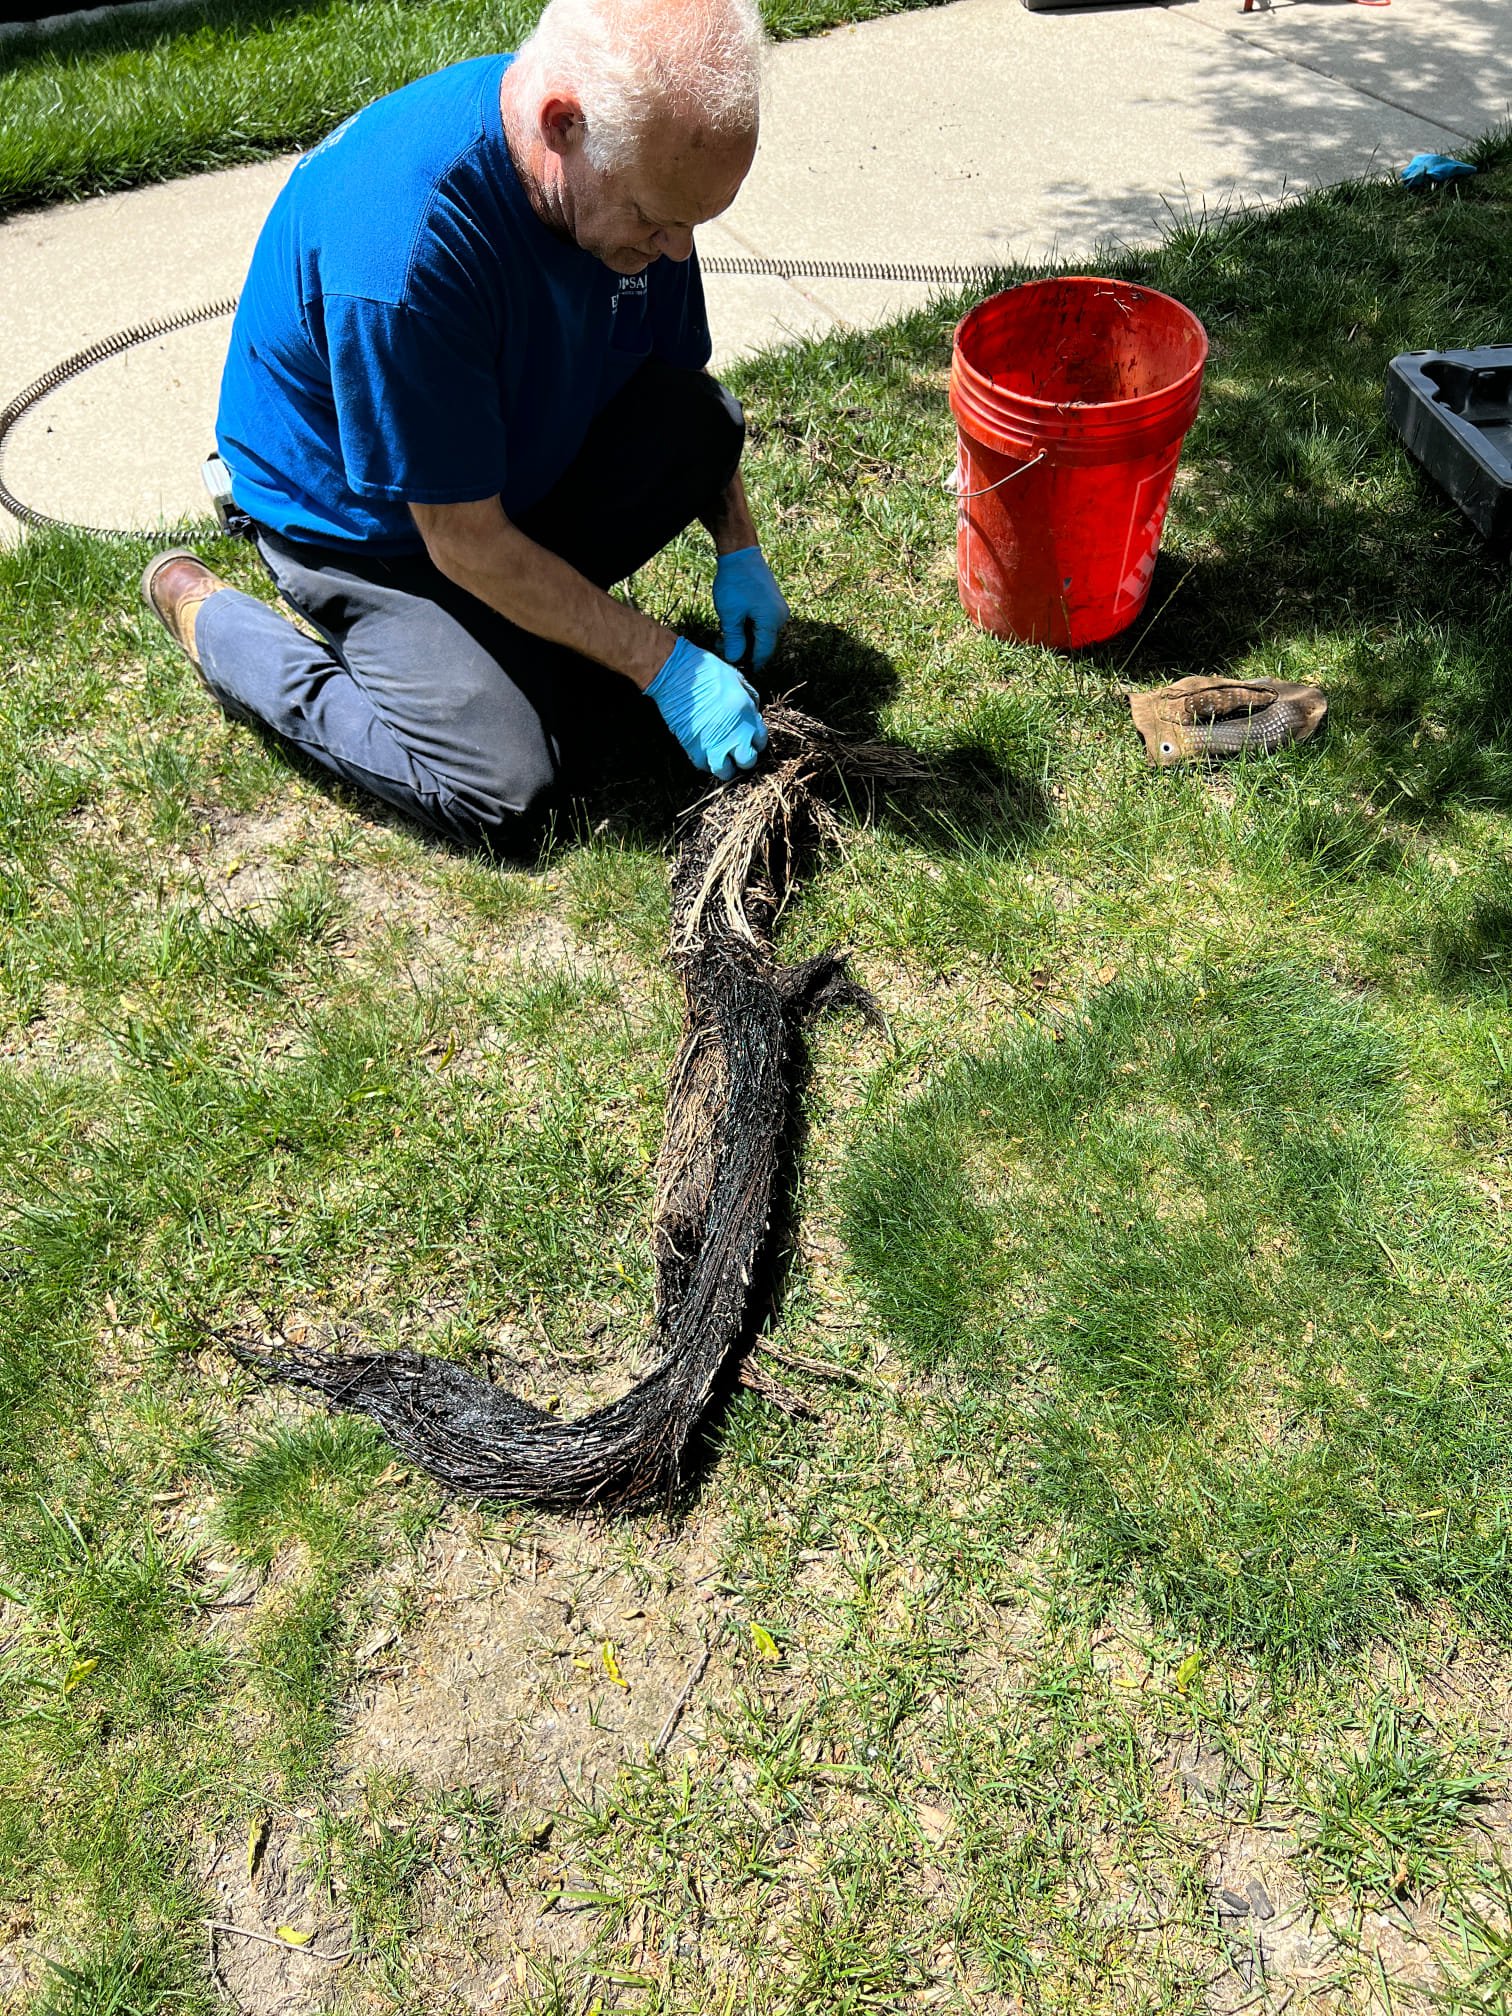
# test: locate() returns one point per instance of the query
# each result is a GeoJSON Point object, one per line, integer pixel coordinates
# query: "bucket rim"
{"type": "Point", "coordinates": [1132, 409]}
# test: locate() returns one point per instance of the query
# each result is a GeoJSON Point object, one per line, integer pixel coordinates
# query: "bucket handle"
{"type": "Point", "coordinates": [965, 496]}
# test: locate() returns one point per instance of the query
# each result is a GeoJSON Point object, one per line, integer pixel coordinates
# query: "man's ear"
{"type": "Point", "coordinates": [562, 123]}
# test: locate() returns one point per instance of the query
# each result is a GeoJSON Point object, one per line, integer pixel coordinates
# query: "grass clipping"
{"type": "Point", "coordinates": [728, 1114]}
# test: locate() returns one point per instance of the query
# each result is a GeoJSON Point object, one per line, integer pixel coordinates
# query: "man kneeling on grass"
{"type": "Point", "coordinates": [466, 394]}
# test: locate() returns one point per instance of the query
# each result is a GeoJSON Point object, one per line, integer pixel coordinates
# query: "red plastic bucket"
{"type": "Point", "coordinates": [1072, 399]}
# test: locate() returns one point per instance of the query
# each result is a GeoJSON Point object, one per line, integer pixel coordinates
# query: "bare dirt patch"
{"type": "Point", "coordinates": [504, 1684]}
{"type": "Point", "coordinates": [250, 856]}
{"type": "Point", "coordinates": [1266, 1923]}
{"type": "Point", "coordinates": [534, 1669]}
{"type": "Point", "coordinates": [418, 922]}
{"type": "Point", "coordinates": [277, 1979]}
{"type": "Point", "coordinates": [548, 944]}
{"type": "Point", "coordinates": [432, 932]}
{"type": "Point", "coordinates": [59, 1036]}
{"type": "Point", "coordinates": [21, 1964]}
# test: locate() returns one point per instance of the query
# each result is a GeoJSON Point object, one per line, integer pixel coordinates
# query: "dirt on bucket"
{"type": "Point", "coordinates": [1072, 399]}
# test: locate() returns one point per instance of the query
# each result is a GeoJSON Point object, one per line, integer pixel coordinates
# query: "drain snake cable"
{"type": "Point", "coordinates": [722, 266]}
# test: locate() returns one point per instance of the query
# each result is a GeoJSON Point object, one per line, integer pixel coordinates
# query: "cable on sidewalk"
{"type": "Point", "coordinates": [726, 266]}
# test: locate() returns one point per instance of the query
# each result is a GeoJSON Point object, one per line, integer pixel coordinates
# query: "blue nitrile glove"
{"type": "Point", "coordinates": [1434, 168]}
{"type": "Point", "coordinates": [745, 591]}
{"type": "Point", "coordinates": [710, 709]}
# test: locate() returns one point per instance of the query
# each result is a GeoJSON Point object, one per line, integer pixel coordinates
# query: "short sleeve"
{"type": "Point", "coordinates": [418, 412]}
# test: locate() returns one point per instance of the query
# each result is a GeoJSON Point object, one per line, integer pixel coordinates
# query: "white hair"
{"type": "Point", "coordinates": [631, 63]}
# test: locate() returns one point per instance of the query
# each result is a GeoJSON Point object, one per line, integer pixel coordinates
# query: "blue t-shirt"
{"type": "Point", "coordinates": [411, 332]}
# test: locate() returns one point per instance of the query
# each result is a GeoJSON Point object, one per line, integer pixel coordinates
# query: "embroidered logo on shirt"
{"type": "Point", "coordinates": [630, 283]}
{"type": "Point", "coordinates": [332, 139]}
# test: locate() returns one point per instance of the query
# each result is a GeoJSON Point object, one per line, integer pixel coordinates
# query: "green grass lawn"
{"type": "Point", "coordinates": [113, 104]}
{"type": "Point", "coordinates": [1134, 1616]}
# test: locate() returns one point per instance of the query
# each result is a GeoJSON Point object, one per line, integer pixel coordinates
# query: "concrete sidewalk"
{"type": "Point", "coordinates": [975, 132]}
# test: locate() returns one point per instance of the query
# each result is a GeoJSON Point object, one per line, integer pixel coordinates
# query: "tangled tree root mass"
{"type": "Point", "coordinates": [718, 1173]}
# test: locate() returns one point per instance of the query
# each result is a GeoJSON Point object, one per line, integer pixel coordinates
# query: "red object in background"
{"type": "Point", "coordinates": [1072, 399]}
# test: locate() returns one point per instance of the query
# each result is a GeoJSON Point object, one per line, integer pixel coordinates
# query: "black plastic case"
{"type": "Point", "coordinates": [1453, 409]}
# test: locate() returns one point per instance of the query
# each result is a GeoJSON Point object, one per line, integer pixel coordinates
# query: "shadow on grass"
{"type": "Point", "coordinates": [1310, 533]}
{"type": "Point", "coordinates": [1420, 701]}
{"type": "Point", "coordinates": [123, 31]}
{"type": "Point", "coordinates": [641, 786]}
{"type": "Point", "coordinates": [1246, 1342]}
{"type": "Point", "coordinates": [1301, 534]}
{"type": "Point", "coordinates": [1470, 946]}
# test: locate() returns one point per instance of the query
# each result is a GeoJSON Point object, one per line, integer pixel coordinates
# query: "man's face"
{"type": "Point", "coordinates": [648, 209]}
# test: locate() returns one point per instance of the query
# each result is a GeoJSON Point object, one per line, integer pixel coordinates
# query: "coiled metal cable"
{"type": "Point", "coordinates": [750, 267]}
{"type": "Point", "coordinates": [72, 367]}
{"type": "Point", "coordinates": [754, 268]}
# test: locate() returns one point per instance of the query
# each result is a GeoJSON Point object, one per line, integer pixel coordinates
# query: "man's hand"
{"type": "Point", "coordinates": [710, 709]}
{"type": "Point", "coordinates": [746, 595]}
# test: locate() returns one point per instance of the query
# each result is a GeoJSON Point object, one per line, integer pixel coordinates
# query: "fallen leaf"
{"type": "Point", "coordinates": [766, 1645]}
{"type": "Point", "coordinates": [611, 1666]}
{"type": "Point", "coordinates": [292, 1938]}
{"type": "Point", "coordinates": [1186, 1672]}
{"type": "Point", "coordinates": [80, 1670]}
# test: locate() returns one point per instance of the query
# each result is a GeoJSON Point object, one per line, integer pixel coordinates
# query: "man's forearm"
{"type": "Point", "coordinates": [730, 523]}
{"type": "Point", "coordinates": [476, 546]}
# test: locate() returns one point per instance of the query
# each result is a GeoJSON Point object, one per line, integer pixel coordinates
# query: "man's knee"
{"type": "Point", "coordinates": [714, 423]}
{"type": "Point", "coordinates": [678, 426]}
{"type": "Point", "coordinates": [506, 805]}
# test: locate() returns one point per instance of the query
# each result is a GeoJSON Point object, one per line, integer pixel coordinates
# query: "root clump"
{"type": "Point", "coordinates": [728, 1115]}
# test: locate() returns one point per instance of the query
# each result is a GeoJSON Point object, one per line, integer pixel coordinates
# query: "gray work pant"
{"type": "Point", "coordinates": [432, 701]}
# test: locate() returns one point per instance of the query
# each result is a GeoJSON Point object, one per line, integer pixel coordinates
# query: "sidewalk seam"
{"type": "Point", "coordinates": [812, 300]}
{"type": "Point", "coordinates": [1178, 12]}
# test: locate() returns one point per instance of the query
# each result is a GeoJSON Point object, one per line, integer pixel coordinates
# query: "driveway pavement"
{"type": "Point", "coordinates": [974, 132]}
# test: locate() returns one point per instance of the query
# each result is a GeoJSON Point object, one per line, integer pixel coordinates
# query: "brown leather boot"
{"type": "Point", "coordinates": [174, 585]}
